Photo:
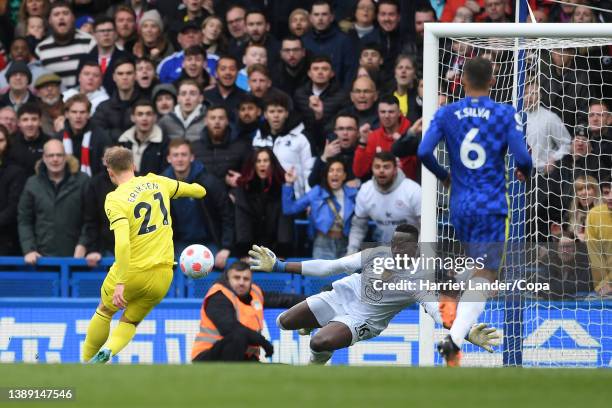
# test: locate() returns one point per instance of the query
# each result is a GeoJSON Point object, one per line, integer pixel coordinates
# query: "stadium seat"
{"type": "Point", "coordinates": [312, 286]}
{"type": "Point", "coordinates": [86, 284]}
{"type": "Point", "coordinates": [277, 282]}
{"type": "Point", "coordinates": [197, 288]}
{"type": "Point", "coordinates": [29, 284]}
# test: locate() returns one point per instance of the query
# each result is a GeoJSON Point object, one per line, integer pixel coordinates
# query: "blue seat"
{"type": "Point", "coordinates": [312, 285]}
{"type": "Point", "coordinates": [197, 288]}
{"type": "Point", "coordinates": [276, 282]}
{"type": "Point", "coordinates": [86, 283]}
{"type": "Point", "coordinates": [29, 284]}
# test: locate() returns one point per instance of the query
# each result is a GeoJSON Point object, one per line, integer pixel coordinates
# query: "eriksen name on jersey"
{"type": "Point", "coordinates": [469, 112]}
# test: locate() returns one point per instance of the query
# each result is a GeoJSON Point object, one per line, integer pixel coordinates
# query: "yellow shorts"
{"type": "Point", "coordinates": [143, 291]}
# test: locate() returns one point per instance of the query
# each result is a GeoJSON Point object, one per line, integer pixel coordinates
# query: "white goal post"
{"type": "Point", "coordinates": [514, 37]}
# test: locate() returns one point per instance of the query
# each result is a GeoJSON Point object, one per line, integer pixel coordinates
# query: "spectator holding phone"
{"type": "Point", "coordinates": [340, 144]}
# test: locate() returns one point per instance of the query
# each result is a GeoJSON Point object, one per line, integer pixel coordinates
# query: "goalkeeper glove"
{"type": "Point", "coordinates": [483, 336]}
{"type": "Point", "coordinates": [262, 259]}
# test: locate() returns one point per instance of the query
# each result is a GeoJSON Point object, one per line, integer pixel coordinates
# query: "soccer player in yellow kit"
{"type": "Point", "coordinates": [139, 214]}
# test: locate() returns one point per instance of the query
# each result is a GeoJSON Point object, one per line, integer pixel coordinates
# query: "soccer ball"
{"type": "Point", "coordinates": [196, 261]}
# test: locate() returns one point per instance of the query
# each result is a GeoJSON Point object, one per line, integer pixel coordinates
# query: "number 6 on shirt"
{"type": "Point", "coordinates": [468, 146]}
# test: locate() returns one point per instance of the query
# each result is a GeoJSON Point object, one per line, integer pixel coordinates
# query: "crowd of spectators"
{"type": "Point", "coordinates": [281, 109]}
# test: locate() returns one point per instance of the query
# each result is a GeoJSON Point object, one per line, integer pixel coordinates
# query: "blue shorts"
{"type": "Point", "coordinates": [483, 236]}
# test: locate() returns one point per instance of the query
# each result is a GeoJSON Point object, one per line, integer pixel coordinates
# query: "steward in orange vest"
{"type": "Point", "coordinates": [231, 318]}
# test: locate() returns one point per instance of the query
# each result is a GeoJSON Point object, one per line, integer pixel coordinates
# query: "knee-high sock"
{"type": "Point", "coordinates": [121, 336]}
{"type": "Point", "coordinates": [97, 334]}
{"type": "Point", "coordinates": [320, 357]}
{"type": "Point", "coordinates": [471, 305]}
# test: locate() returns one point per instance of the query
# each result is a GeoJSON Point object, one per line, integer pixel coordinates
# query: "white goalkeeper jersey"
{"type": "Point", "coordinates": [357, 294]}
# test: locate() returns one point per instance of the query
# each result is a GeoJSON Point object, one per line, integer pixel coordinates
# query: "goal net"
{"type": "Point", "coordinates": [556, 78]}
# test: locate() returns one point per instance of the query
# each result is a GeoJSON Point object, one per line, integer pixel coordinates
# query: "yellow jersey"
{"type": "Point", "coordinates": [143, 203]}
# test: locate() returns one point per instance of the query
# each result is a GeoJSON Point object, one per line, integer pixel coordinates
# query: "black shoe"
{"type": "Point", "coordinates": [450, 352]}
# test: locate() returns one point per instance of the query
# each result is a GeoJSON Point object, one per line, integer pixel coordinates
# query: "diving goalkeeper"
{"type": "Point", "coordinates": [343, 315]}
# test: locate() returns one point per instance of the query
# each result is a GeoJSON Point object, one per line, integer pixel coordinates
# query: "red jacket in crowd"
{"type": "Point", "coordinates": [379, 141]}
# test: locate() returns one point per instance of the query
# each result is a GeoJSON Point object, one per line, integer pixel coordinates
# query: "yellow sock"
{"type": "Point", "coordinates": [121, 336]}
{"type": "Point", "coordinates": [97, 334]}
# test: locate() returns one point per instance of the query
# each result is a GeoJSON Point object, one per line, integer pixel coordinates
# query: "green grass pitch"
{"type": "Point", "coordinates": [262, 385]}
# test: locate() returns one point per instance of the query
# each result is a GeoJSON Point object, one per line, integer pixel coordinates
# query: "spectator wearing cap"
{"type": "Point", "coordinates": [51, 102]}
{"type": "Point", "coordinates": [187, 118]}
{"type": "Point", "coordinates": [19, 78]}
{"type": "Point", "coordinates": [170, 68]}
{"type": "Point", "coordinates": [28, 141]}
{"type": "Point", "coordinates": [90, 84]}
{"type": "Point", "coordinates": [325, 38]}
{"type": "Point", "coordinates": [106, 53]}
{"type": "Point", "coordinates": [63, 49]}
{"type": "Point", "coordinates": [164, 98]}
{"type": "Point", "coordinates": [20, 51]}
{"type": "Point", "coordinates": [152, 42]}
{"type": "Point", "coordinates": [113, 115]}
{"type": "Point", "coordinates": [192, 11]}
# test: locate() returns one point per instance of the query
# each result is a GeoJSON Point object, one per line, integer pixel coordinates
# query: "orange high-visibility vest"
{"type": "Point", "coordinates": [250, 316]}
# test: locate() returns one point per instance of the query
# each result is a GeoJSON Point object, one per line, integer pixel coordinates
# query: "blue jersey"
{"type": "Point", "coordinates": [478, 133]}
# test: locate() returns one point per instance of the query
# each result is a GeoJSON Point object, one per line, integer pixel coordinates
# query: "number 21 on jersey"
{"type": "Point", "coordinates": [145, 228]}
